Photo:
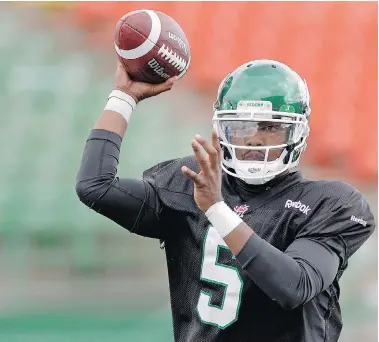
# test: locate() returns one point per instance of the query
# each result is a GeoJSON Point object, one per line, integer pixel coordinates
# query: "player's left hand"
{"type": "Point", "coordinates": [207, 183]}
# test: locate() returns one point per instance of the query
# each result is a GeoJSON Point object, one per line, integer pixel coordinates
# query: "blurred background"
{"type": "Point", "coordinates": [68, 274]}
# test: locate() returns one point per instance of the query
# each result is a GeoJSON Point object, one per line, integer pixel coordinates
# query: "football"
{"type": "Point", "coordinates": [152, 46]}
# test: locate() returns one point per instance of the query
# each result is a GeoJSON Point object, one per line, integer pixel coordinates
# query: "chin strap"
{"type": "Point", "coordinates": [290, 148]}
{"type": "Point", "coordinates": [225, 150]}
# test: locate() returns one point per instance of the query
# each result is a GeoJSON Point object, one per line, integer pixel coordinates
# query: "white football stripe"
{"type": "Point", "coordinates": [148, 44]}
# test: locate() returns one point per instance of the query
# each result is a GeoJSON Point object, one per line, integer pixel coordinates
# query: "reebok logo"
{"type": "Point", "coordinates": [358, 220]}
{"type": "Point", "coordinates": [298, 205]}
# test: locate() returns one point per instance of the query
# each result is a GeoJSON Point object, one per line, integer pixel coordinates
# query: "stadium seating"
{"type": "Point", "coordinates": [332, 44]}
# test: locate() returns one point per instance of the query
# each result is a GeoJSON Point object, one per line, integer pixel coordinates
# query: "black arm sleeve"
{"type": "Point", "coordinates": [291, 278]}
{"type": "Point", "coordinates": [133, 204]}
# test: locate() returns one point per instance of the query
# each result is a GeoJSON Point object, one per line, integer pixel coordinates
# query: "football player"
{"type": "Point", "coordinates": [254, 250]}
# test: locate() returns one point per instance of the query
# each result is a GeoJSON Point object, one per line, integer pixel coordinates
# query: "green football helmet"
{"type": "Point", "coordinates": [262, 112]}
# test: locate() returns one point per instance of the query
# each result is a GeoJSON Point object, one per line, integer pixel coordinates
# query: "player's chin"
{"type": "Point", "coordinates": [251, 155]}
{"type": "Point", "coordinates": [258, 157]}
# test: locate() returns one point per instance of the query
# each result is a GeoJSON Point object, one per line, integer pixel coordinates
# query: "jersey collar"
{"type": "Point", "coordinates": [258, 195]}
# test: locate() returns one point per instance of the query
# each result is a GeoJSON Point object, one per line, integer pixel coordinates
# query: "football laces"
{"type": "Point", "coordinates": [173, 58]}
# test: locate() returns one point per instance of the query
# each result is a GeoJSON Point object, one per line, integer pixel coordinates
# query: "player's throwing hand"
{"type": "Point", "coordinates": [207, 183]}
{"type": "Point", "coordinates": [138, 90]}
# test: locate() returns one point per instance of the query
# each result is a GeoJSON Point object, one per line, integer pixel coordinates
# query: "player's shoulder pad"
{"type": "Point", "coordinates": [173, 187]}
{"type": "Point", "coordinates": [336, 208]}
{"type": "Point", "coordinates": [329, 195]}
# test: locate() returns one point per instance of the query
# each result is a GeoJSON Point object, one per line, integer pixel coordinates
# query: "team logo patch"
{"type": "Point", "coordinates": [287, 108]}
{"type": "Point", "coordinates": [241, 209]}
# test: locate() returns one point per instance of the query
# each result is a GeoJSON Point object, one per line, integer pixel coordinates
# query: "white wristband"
{"type": "Point", "coordinates": [224, 219]}
{"type": "Point", "coordinates": [121, 103]}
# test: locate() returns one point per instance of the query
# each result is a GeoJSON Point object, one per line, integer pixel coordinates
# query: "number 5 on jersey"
{"type": "Point", "coordinates": [226, 276]}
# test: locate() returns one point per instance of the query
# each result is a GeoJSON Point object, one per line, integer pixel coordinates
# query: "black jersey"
{"type": "Point", "coordinates": [213, 298]}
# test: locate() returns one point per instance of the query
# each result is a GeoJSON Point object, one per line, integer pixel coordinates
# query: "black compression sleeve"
{"type": "Point", "coordinates": [292, 278]}
{"type": "Point", "coordinates": [131, 203]}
